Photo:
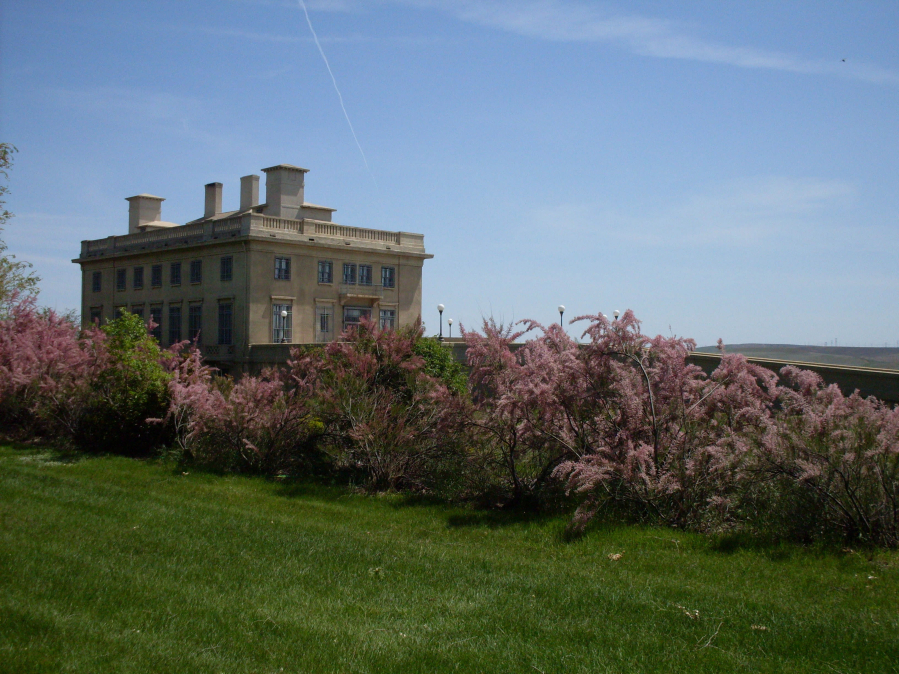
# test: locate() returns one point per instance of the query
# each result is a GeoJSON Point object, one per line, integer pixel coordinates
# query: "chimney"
{"type": "Point", "coordinates": [249, 192]}
{"type": "Point", "coordinates": [284, 190]}
{"type": "Point", "coordinates": [143, 209]}
{"type": "Point", "coordinates": [213, 199]}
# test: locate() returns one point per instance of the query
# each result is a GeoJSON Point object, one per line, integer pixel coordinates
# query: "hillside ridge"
{"type": "Point", "coordinates": [857, 356]}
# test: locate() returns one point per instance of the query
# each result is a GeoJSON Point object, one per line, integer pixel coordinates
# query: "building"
{"type": "Point", "coordinates": [273, 273]}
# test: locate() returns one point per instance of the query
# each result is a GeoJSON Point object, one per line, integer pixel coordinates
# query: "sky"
{"type": "Point", "coordinates": [723, 169]}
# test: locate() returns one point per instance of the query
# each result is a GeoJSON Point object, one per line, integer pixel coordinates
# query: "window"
{"type": "Point", "coordinates": [175, 323]}
{"type": "Point", "coordinates": [175, 274]}
{"type": "Point", "coordinates": [388, 319]}
{"type": "Point", "coordinates": [352, 316]}
{"type": "Point", "coordinates": [156, 276]}
{"type": "Point", "coordinates": [365, 274]}
{"type": "Point", "coordinates": [225, 322]}
{"type": "Point", "coordinates": [388, 277]}
{"type": "Point", "coordinates": [96, 315]}
{"type": "Point", "coordinates": [97, 281]}
{"type": "Point", "coordinates": [325, 271]}
{"type": "Point", "coordinates": [194, 322]}
{"type": "Point", "coordinates": [282, 268]}
{"type": "Point", "coordinates": [196, 271]}
{"type": "Point", "coordinates": [282, 317]}
{"type": "Point", "coordinates": [121, 279]}
{"type": "Point", "coordinates": [349, 273]}
{"type": "Point", "coordinates": [156, 322]}
{"type": "Point", "coordinates": [226, 268]}
{"type": "Point", "coordinates": [138, 279]}
{"type": "Point", "coordinates": [138, 311]}
{"type": "Point", "coordinates": [323, 322]}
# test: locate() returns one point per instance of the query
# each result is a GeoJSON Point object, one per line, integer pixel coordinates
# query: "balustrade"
{"type": "Point", "coordinates": [202, 231]}
{"type": "Point", "coordinates": [360, 290]}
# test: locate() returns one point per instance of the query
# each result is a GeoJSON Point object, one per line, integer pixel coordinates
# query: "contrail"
{"type": "Point", "coordinates": [342, 106]}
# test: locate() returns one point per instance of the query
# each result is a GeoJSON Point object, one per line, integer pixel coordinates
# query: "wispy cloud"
{"type": "Point", "coordinates": [755, 212]}
{"type": "Point", "coordinates": [752, 213]}
{"type": "Point", "coordinates": [563, 21]}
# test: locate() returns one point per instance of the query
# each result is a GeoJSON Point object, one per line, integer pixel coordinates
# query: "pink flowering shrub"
{"type": "Point", "coordinates": [513, 425]}
{"type": "Point", "coordinates": [364, 405]}
{"type": "Point", "coordinates": [636, 425]}
{"type": "Point", "coordinates": [259, 424]}
{"type": "Point", "coordinates": [47, 365]}
{"type": "Point", "coordinates": [622, 419]}
{"type": "Point", "coordinates": [834, 463]}
{"type": "Point", "coordinates": [387, 422]}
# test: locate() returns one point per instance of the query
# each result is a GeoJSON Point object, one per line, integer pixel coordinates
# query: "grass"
{"type": "Point", "coordinates": [115, 565]}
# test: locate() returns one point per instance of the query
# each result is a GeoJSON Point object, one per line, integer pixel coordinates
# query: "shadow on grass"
{"type": "Point", "coordinates": [412, 500]}
{"type": "Point", "coordinates": [310, 489]}
{"type": "Point", "coordinates": [454, 515]}
{"type": "Point", "coordinates": [733, 543]}
{"type": "Point", "coordinates": [43, 452]}
{"type": "Point", "coordinates": [304, 487]}
{"type": "Point", "coordinates": [494, 519]}
{"type": "Point", "coordinates": [776, 548]}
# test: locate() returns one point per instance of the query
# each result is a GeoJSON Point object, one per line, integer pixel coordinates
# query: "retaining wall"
{"type": "Point", "coordinates": [869, 381]}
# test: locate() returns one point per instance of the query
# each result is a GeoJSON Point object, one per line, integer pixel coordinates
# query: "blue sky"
{"type": "Point", "coordinates": [717, 167]}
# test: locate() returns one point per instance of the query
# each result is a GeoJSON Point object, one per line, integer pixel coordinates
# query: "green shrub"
{"type": "Point", "coordinates": [128, 392]}
{"type": "Point", "coordinates": [439, 363]}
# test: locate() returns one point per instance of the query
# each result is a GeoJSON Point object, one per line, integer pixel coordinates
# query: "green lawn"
{"type": "Point", "coordinates": [116, 565]}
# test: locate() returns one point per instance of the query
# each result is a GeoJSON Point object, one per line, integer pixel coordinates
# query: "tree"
{"type": "Point", "coordinates": [15, 276]}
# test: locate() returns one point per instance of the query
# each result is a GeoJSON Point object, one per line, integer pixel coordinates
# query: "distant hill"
{"type": "Point", "coordinates": [856, 356]}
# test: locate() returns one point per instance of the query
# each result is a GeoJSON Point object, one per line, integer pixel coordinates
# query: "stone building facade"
{"type": "Point", "coordinates": [274, 273]}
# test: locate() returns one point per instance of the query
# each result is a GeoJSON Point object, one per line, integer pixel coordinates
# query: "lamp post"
{"type": "Point", "coordinates": [561, 311]}
{"type": "Point", "coordinates": [440, 308]}
{"type": "Point", "coordinates": [283, 326]}
{"type": "Point", "coordinates": [616, 313]}
{"type": "Point", "coordinates": [450, 322]}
